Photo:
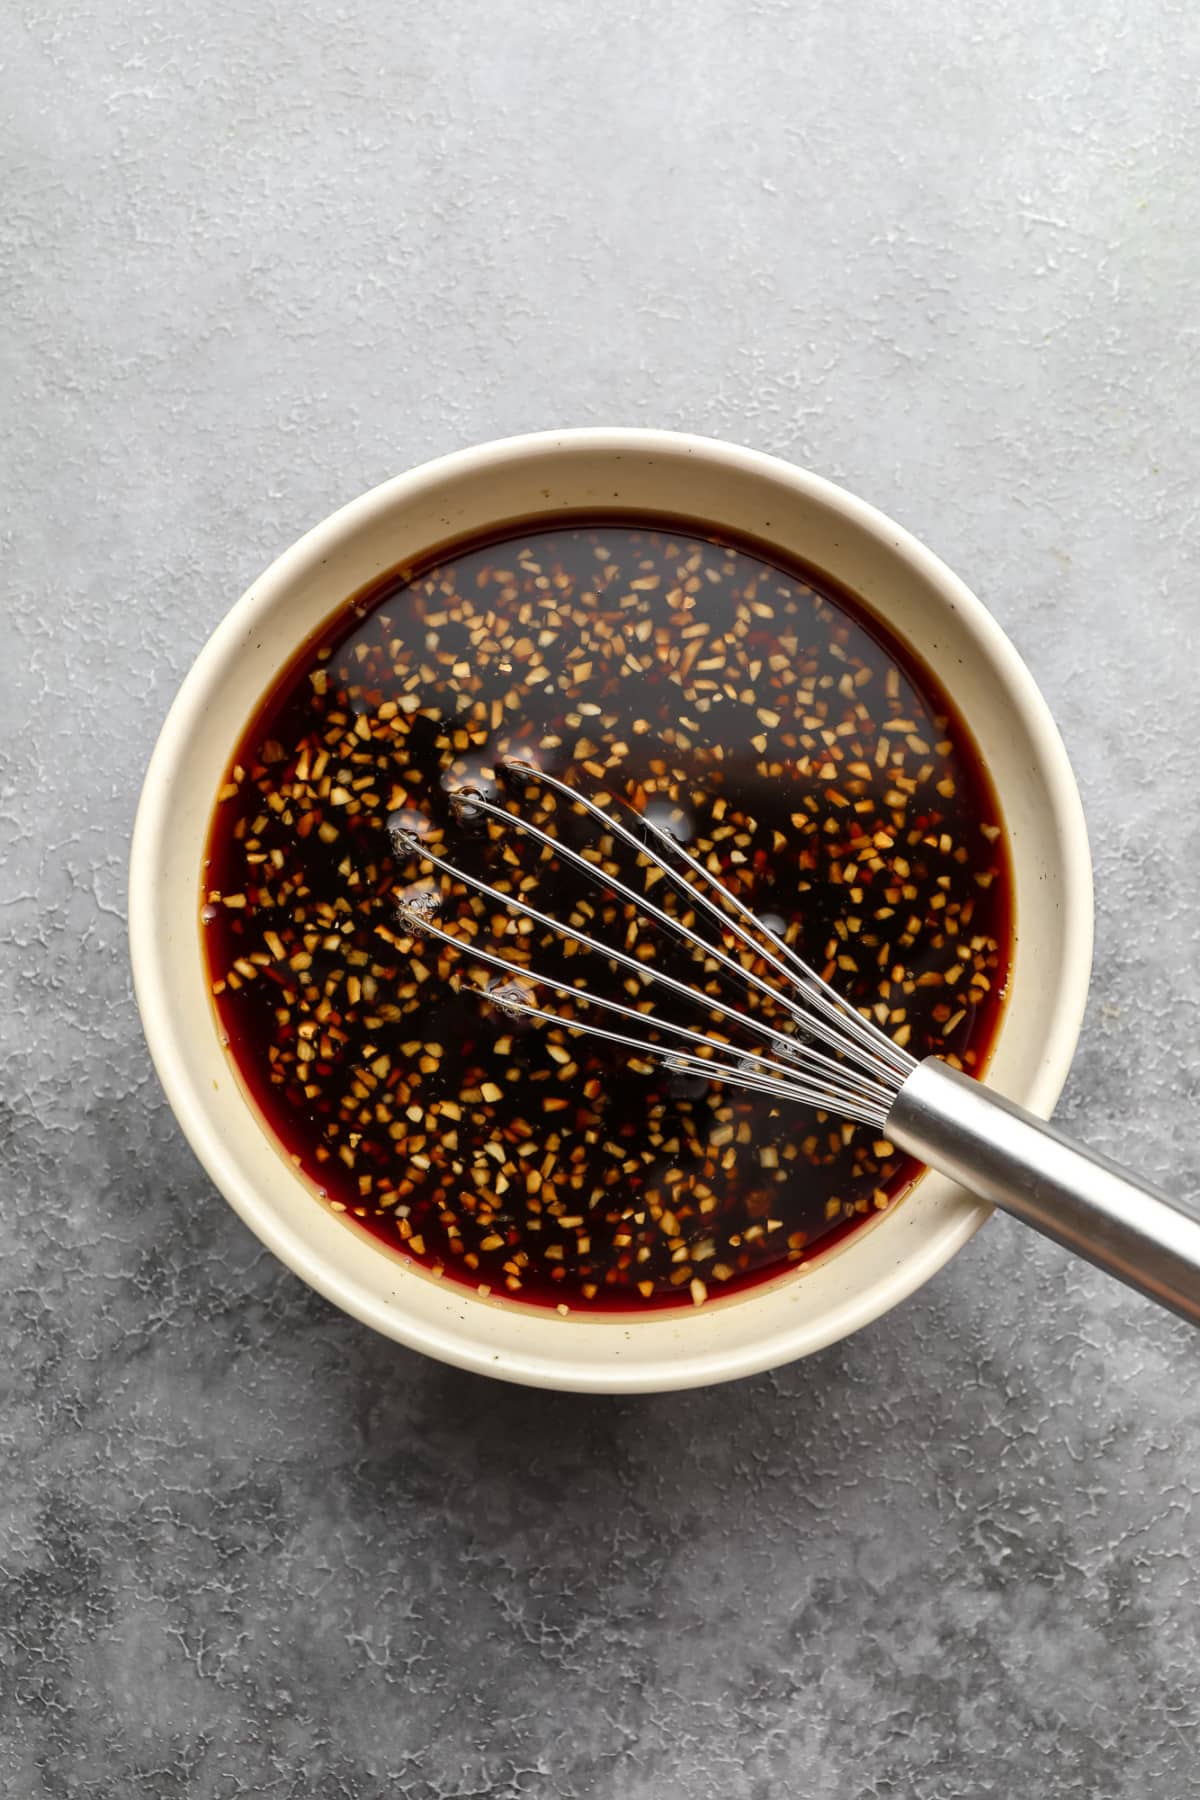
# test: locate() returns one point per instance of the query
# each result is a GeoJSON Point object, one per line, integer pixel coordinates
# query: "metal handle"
{"type": "Point", "coordinates": [1018, 1162]}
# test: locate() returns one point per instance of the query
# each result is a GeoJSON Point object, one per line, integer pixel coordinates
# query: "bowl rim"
{"type": "Point", "coordinates": [146, 933]}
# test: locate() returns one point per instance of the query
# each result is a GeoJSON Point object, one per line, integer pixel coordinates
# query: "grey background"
{"type": "Point", "coordinates": [255, 259]}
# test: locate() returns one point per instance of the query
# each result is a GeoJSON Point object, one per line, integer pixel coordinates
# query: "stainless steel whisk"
{"type": "Point", "coordinates": [838, 1060]}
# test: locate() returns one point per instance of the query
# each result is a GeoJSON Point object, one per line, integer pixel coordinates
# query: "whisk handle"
{"type": "Point", "coordinates": [1030, 1169]}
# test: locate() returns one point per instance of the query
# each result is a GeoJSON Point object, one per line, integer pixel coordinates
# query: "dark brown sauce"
{"type": "Point", "coordinates": [753, 706]}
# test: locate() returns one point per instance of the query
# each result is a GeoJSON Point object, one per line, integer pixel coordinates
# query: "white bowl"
{"type": "Point", "coordinates": [539, 477]}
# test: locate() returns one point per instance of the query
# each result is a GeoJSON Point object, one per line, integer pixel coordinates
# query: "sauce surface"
{"type": "Point", "coordinates": [755, 711]}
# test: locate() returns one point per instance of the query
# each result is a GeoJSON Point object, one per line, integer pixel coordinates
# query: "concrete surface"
{"type": "Point", "coordinates": [256, 258]}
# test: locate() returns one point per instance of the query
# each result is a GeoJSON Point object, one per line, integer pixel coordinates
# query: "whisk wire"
{"type": "Point", "coordinates": [800, 975]}
{"type": "Point", "coordinates": [844, 1084]}
{"type": "Point", "coordinates": [859, 1078]}
{"type": "Point", "coordinates": [750, 1072]}
{"type": "Point", "coordinates": [813, 986]}
{"type": "Point", "coordinates": [647, 906]}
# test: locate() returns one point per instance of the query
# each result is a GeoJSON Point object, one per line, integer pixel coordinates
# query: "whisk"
{"type": "Point", "coordinates": [824, 1053]}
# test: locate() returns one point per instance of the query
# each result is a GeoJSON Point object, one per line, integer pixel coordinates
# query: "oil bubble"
{"type": "Point", "coordinates": [406, 827]}
{"type": "Point", "coordinates": [510, 999]}
{"type": "Point", "coordinates": [667, 819]}
{"type": "Point", "coordinates": [520, 768]}
{"type": "Point", "coordinates": [417, 907]}
{"type": "Point", "coordinates": [467, 805]}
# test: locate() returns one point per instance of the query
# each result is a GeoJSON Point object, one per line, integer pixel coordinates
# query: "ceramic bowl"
{"type": "Point", "coordinates": [540, 477]}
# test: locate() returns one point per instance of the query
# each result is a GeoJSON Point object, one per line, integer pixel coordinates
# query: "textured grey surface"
{"type": "Point", "coordinates": [255, 262]}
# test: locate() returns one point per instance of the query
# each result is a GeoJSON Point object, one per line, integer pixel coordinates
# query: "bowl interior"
{"type": "Point", "coordinates": [540, 477]}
